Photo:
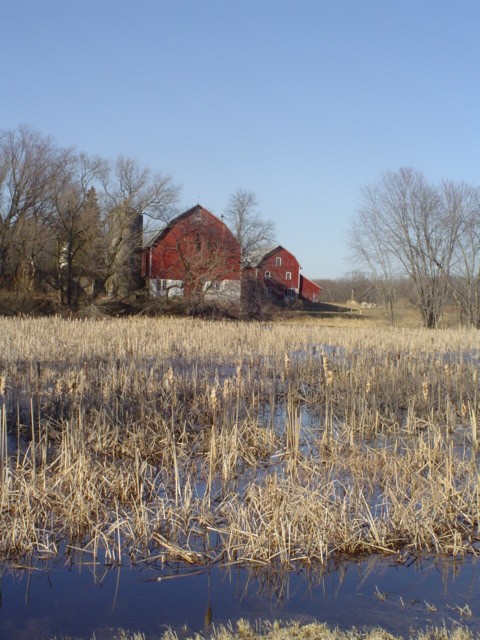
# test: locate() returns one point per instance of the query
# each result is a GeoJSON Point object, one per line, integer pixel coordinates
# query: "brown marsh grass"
{"type": "Point", "coordinates": [203, 442]}
{"type": "Point", "coordinates": [312, 631]}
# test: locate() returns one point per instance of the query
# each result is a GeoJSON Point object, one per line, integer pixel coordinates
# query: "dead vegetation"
{"type": "Point", "coordinates": [311, 631]}
{"type": "Point", "coordinates": [258, 444]}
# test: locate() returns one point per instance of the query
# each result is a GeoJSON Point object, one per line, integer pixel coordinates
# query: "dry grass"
{"type": "Point", "coordinates": [406, 316]}
{"type": "Point", "coordinates": [313, 631]}
{"type": "Point", "coordinates": [241, 443]}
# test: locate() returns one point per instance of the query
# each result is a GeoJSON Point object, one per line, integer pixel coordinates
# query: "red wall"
{"type": "Point", "coordinates": [195, 246]}
{"type": "Point", "coordinates": [277, 274]}
{"type": "Point", "coordinates": [309, 290]}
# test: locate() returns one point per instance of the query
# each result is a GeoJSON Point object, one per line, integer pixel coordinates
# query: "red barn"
{"type": "Point", "coordinates": [195, 252]}
{"type": "Point", "coordinates": [279, 270]}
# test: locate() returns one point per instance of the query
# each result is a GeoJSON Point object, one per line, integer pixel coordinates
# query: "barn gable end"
{"type": "Point", "coordinates": [195, 252]}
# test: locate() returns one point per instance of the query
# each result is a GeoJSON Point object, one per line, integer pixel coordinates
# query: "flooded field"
{"type": "Point", "coordinates": [259, 470]}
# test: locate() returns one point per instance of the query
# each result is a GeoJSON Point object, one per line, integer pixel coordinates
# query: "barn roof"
{"type": "Point", "coordinates": [151, 238]}
{"type": "Point", "coordinates": [254, 258]}
{"type": "Point", "coordinates": [257, 257]}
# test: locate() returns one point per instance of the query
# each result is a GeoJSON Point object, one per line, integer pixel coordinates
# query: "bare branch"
{"type": "Point", "coordinates": [251, 230]}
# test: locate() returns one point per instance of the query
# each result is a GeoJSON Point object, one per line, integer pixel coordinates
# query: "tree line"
{"type": "Point", "coordinates": [408, 229]}
{"type": "Point", "coordinates": [73, 224]}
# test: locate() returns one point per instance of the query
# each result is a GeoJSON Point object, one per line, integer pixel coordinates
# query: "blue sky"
{"type": "Point", "coordinates": [301, 101]}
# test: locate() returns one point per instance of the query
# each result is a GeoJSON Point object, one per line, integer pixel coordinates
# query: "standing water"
{"type": "Point", "coordinates": [83, 601]}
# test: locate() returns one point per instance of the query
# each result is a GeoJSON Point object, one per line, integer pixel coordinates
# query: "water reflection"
{"type": "Point", "coordinates": [81, 599]}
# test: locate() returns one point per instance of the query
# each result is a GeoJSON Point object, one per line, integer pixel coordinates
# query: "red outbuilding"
{"type": "Point", "coordinates": [280, 271]}
{"type": "Point", "coordinates": [309, 290]}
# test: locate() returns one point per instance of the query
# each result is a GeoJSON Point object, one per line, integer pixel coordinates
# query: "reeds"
{"type": "Point", "coordinates": [260, 443]}
{"type": "Point", "coordinates": [243, 630]}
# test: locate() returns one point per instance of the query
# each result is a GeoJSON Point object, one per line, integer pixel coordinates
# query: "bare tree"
{"type": "Point", "coordinates": [251, 230]}
{"type": "Point", "coordinates": [463, 203]}
{"type": "Point", "coordinates": [405, 227]}
{"type": "Point", "coordinates": [366, 245]}
{"type": "Point", "coordinates": [205, 264]}
{"type": "Point", "coordinates": [78, 233]}
{"type": "Point", "coordinates": [29, 163]}
{"type": "Point", "coordinates": [131, 193]}
{"type": "Point", "coordinates": [52, 229]}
